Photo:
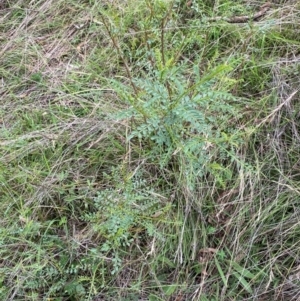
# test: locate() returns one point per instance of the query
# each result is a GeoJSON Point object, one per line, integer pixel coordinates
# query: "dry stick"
{"type": "Point", "coordinates": [263, 10]}
{"type": "Point", "coordinates": [162, 39]}
{"type": "Point", "coordinates": [162, 36]}
{"type": "Point", "coordinates": [162, 45]}
{"type": "Point", "coordinates": [162, 42]}
{"type": "Point", "coordinates": [244, 19]}
{"type": "Point", "coordinates": [119, 51]}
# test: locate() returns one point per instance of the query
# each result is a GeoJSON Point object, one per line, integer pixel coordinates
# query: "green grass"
{"type": "Point", "coordinates": [147, 152]}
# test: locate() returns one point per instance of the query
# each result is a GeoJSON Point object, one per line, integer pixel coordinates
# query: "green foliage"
{"type": "Point", "coordinates": [124, 213]}
{"type": "Point", "coordinates": [176, 118]}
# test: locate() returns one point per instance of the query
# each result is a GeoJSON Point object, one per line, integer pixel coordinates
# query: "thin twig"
{"type": "Point", "coordinates": [119, 51]}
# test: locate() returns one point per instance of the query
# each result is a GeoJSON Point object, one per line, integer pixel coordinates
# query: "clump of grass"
{"type": "Point", "coordinates": [148, 152]}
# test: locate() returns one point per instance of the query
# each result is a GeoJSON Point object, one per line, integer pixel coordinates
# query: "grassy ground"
{"type": "Point", "coordinates": [149, 152]}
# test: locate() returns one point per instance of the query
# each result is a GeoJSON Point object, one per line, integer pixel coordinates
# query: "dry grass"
{"type": "Point", "coordinates": [94, 206]}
